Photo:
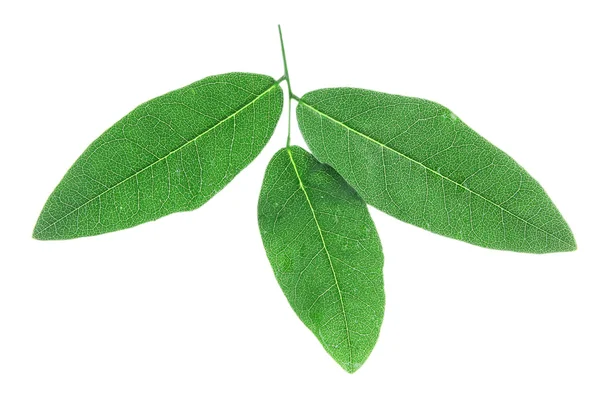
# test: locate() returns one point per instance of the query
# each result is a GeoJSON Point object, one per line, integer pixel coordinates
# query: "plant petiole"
{"type": "Point", "coordinates": [286, 76]}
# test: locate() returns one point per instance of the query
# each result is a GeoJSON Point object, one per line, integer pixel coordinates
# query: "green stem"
{"type": "Point", "coordinates": [285, 68]}
{"type": "Point", "coordinates": [289, 85]}
{"type": "Point", "coordinates": [287, 144]}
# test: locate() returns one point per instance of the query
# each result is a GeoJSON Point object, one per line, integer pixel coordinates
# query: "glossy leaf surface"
{"type": "Point", "coordinates": [170, 154]}
{"type": "Point", "coordinates": [325, 253]}
{"type": "Point", "coordinates": [417, 161]}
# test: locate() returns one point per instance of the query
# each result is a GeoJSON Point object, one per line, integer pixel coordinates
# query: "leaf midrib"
{"type": "Point", "coordinates": [302, 102]}
{"type": "Point", "coordinates": [326, 252]}
{"type": "Point", "coordinates": [193, 140]}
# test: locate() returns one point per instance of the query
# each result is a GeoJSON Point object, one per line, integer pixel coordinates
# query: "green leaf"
{"type": "Point", "coordinates": [415, 160]}
{"type": "Point", "coordinates": [170, 154]}
{"type": "Point", "coordinates": [325, 253]}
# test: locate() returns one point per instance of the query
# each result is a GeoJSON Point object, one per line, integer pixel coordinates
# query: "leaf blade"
{"type": "Point", "coordinates": [423, 165]}
{"type": "Point", "coordinates": [164, 156]}
{"type": "Point", "coordinates": [325, 253]}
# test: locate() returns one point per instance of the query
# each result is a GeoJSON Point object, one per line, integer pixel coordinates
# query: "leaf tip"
{"type": "Point", "coordinates": [351, 367]}
{"type": "Point", "coordinates": [571, 244]}
{"type": "Point", "coordinates": [40, 232]}
{"type": "Point", "coordinates": [37, 234]}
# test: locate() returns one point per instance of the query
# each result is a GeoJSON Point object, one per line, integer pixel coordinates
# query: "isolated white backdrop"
{"type": "Point", "coordinates": [189, 304]}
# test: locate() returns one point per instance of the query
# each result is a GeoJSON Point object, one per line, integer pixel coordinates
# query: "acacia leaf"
{"type": "Point", "coordinates": [170, 154]}
{"type": "Point", "coordinates": [417, 161]}
{"type": "Point", "coordinates": [325, 253]}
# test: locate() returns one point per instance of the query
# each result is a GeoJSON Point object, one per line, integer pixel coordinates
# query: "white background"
{"type": "Point", "coordinates": [189, 304]}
